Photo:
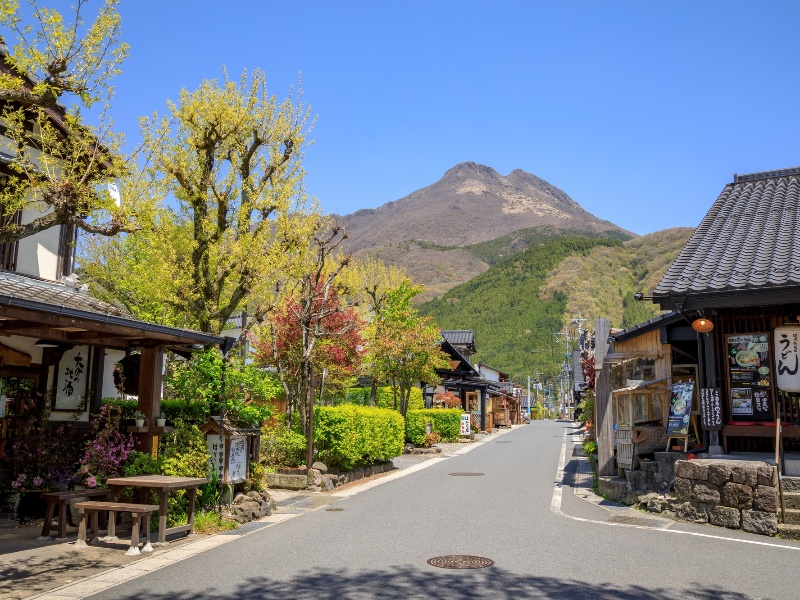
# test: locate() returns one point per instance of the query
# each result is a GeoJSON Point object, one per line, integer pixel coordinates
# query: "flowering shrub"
{"type": "Point", "coordinates": [42, 455]}
{"type": "Point", "coordinates": [107, 453]}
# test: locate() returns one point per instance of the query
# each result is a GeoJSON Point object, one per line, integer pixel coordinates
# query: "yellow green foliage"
{"type": "Point", "coordinates": [349, 436]}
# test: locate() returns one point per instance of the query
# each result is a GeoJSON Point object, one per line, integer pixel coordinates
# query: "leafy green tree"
{"type": "Point", "coordinates": [61, 167]}
{"type": "Point", "coordinates": [230, 155]}
{"type": "Point", "coordinates": [248, 389]}
{"type": "Point", "coordinates": [407, 349]}
{"type": "Point", "coordinates": [369, 283]}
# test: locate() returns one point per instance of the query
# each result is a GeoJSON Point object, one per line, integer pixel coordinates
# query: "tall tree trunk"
{"type": "Point", "coordinates": [373, 392]}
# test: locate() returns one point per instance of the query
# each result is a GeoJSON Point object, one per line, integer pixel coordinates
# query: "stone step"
{"type": "Point", "coordinates": [791, 499]}
{"type": "Point", "coordinates": [791, 516]}
{"type": "Point", "coordinates": [789, 532]}
{"type": "Point", "coordinates": [790, 484]}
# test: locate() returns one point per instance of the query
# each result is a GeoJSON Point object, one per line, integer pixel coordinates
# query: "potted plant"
{"type": "Point", "coordinates": [139, 418]}
{"type": "Point", "coordinates": [161, 420]}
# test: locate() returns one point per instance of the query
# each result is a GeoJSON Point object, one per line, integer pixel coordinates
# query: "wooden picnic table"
{"type": "Point", "coordinates": [162, 485]}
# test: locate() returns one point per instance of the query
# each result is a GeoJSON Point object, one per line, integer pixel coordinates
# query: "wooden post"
{"type": "Point", "coordinates": [150, 378]}
{"type": "Point", "coordinates": [602, 391]}
{"type": "Point", "coordinates": [483, 409]}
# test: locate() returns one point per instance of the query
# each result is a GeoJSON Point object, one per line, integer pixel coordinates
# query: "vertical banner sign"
{"type": "Point", "coordinates": [680, 408]}
{"type": "Point", "coordinates": [787, 358]}
{"type": "Point", "coordinates": [216, 449]}
{"type": "Point", "coordinates": [237, 463]}
{"type": "Point", "coordinates": [750, 377]}
{"type": "Point", "coordinates": [711, 409]}
{"type": "Point", "coordinates": [465, 424]}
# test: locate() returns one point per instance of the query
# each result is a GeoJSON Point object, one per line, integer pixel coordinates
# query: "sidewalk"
{"type": "Point", "coordinates": [49, 570]}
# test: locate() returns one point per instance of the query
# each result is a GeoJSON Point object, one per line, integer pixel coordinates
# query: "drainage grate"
{"type": "Point", "coordinates": [503, 442]}
{"type": "Point", "coordinates": [460, 561]}
{"type": "Point", "coordinates": [466, 474]}
{"type": "Point", "coordinates": [334, 509]}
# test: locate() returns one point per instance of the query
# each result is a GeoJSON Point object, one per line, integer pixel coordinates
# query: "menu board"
{"type": "Point", "coordinates": [750, 377]}
{"type": "Point", "coordinates": [680, 408]}
{"type": "Point", "coordinates": [710, 409]}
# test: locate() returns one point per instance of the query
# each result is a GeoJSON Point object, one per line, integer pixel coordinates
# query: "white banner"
{"type": "Point", "coordinates": [787, 358]}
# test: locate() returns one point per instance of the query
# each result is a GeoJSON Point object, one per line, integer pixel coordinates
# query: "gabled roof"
{"type": "Point", "coordinates": [464, 367]}
{"type": "Point", "coordinates": [649, 325]}
{"type": "Point", "coordinates": [461, 337]}
{"type": "Point", "coordinates": [749, 243]}
{"type": "Point", "coordinates": [34, 308]}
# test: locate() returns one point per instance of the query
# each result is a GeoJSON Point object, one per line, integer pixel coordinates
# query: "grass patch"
{"type": "Point", "coordinates": [208, 522]}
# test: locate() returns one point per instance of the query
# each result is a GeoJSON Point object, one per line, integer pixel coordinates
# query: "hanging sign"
{"type": "Point", "coordinates": [711, 409]}
{"type": "Point", "coordinates": [750, 377]}
{"type": "Point", "coordinates": [680, 409]}
{"type": "Point", "coordinates": [71, 377]}
{"type": "Point", "coordinates": [787, 358]}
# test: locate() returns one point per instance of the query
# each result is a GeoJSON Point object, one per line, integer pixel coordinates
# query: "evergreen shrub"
{"type": "Point", "coordinates": [384, 397]}
{"type": "Point", "coordinates": [350, 436]}
{"type": "Point", "coordinates": [444, 421]}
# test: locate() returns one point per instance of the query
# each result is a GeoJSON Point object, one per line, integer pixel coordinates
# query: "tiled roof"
{"type": "Point", "coordinates": [749, 240]}
{"type": "Point", "coordinates": [18, 286]}
{"type": "Point", "coordinates": [462, 337]}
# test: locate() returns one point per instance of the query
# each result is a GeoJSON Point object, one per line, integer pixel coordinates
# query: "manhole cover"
{"type": "Point", "coordinates": [460, 561]}
{"type": "Point", "coordinates": [466, 474]}
{"type": "Point", "coordinates": [334, 509]}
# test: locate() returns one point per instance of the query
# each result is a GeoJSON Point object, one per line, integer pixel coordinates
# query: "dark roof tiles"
{"type": "Point", "coordinates": [750, 239]}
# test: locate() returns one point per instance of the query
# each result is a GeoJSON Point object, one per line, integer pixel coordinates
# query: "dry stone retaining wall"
{"type": "Point", "coordinates": [728, 493]}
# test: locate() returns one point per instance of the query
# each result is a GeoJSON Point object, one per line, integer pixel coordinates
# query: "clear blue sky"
{"type": "Point", "coordinates": [640, 111]}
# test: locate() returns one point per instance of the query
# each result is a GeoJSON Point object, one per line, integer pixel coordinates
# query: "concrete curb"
{"type": "Point", "coordinates": [112, 577]}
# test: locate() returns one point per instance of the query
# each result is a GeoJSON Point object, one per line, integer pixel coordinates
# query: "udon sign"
{"type": "Point", "coordinates": [787, 358]}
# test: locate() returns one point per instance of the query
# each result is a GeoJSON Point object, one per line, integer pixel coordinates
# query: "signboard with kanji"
{"type": "Point", "coordinates": [711, 409]}
{"type": "Point", "coordinates": [71, 377]}
{"type": "Point", "coordinates": [237, 459]}
{"type": "Point", "coordinates": [216, 449]}
{"type": "Point", "coordinates": [787, 358]}
{"type": "Point", "coordinates": [466, 428]}
{"type": "Point", "coordinates": [750, 377]}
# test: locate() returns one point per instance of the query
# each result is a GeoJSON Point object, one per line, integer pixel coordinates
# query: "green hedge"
{"type": "Point", "coordinates": [192, 413]}
{"type": "Point", "coordinates": [445, 421]}
{"type": "Point", "coordinates": [384, 397]}
{"type": "Point", "coordinates": [350, 436]}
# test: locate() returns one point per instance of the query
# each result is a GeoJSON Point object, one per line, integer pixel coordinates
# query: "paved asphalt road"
{"type": "Point", "coordinates": [545, 543]}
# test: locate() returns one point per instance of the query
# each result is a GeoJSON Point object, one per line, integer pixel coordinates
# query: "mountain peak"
{"type": "Point", "coordinates": [471, 203]}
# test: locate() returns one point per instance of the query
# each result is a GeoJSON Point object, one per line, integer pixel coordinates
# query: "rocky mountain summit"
{"type": "Point", "coordinates": [471, 203]}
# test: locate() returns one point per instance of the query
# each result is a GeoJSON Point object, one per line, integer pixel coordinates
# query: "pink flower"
{"type": "Point", "coordinates": [91, 481]}
{"type": "Point", "coordinates": [38, 481]}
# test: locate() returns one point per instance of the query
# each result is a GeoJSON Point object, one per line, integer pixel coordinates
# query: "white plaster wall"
{"type": "Point", "coordinates": [38, 254]}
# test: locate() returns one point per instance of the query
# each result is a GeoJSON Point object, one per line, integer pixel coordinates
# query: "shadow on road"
{"type": "Point", "coordinates": [409, 582]}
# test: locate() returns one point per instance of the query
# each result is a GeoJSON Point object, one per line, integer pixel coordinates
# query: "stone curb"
{"type": "Point", "coordinates": [102, 581]}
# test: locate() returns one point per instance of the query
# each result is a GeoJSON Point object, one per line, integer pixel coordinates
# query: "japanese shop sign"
{"type": "Point", "coordinates": [787, 358]}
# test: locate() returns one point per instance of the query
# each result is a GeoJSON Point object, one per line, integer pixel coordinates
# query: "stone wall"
{"type": "Point", "coordinates": [736, 494]}
{"type": "Point", "coordinates": [318, 479]}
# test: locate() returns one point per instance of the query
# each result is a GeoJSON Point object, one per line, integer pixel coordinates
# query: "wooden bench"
{"type": "Point", "coordinates": [141, 520]}
{"type": "Point", "coordinates": [61, 499]}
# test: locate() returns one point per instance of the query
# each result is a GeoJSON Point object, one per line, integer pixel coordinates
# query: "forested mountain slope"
{"type": "Point", "coordinates": [516, 305]}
